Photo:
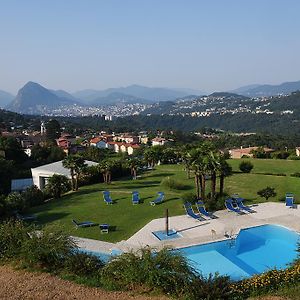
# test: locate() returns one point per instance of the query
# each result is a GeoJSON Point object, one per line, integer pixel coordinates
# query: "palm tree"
{"type": "Point", "coordinates": [224, 171]}
{"type": "Point", "coordinates": [153, 155]}
{"type": "Point", "coordinates": [106, 168]}
{"type": "Point", "coordinates": [76, 165]}
{"type": "Point", "coordinates": [57, 185]}
{"type": "Point", "coordinates": [213, 165]}
{"type": "Point", "coordinates": [134, 163]}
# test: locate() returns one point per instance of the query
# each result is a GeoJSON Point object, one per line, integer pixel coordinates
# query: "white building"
{"type": "Point", "coordinates": [41, 174]}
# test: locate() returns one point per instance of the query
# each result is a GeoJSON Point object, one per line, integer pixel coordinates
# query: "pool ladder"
{"type": "Point", "coordinates": [232, 240]}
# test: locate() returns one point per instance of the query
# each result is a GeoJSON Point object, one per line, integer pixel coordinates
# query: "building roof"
{"type": "Point", "coordinates": [58, 168]}
{"type": "Point", "coordinates": [249, 149]}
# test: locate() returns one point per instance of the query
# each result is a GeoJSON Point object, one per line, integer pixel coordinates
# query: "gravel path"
{"type": "Point", "coordinates": [24, 285]}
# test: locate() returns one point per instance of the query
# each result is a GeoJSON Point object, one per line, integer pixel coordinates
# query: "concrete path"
{"type": "Point", "coordinates": [195, 232]}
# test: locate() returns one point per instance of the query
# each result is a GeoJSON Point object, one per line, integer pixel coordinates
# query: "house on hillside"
{"type": "Point", "coordinates": [41, 174]}
{"type": "Point", "coordinates": [158, 141]}
{"type": "Point", "coordinates": [298, 151]}
{"type": "Point", "coordinates": [240, 152]}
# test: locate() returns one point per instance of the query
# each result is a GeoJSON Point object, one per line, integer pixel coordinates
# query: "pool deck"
{"type": "Point", "coordinates": [195, 232]}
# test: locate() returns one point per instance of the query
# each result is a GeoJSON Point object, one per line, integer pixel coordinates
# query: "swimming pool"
{"type": "Point", "coordinates": [255, 250]}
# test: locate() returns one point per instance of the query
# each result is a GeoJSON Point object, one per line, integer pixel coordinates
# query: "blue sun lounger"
{"type": "Point", "coordinates": [159, 199]}
{"type": "Point", "coordinates": [84, 224]}
{"type": "Point", "coordinates": [230, 207]}
{"type": "Point", "coordinates": [289, 200]}
{"type": "Point", "coordinates": [240, 204]}
{"type": "Point", "coordinates": [104, 228]}
{"type": "Point", "coordinates": [106, 197]}
{"type": "Point", "coordinates": [190, 212]}
{"type": "Point", "coordinates": [25, 218]}
{"type": "Point", "coordinates": [135, 197]}
{"type": "Point", "coordinates": [202, 210]}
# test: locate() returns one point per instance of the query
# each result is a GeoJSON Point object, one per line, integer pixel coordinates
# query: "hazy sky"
{"type": "Point", "coordinates": [202, 44]}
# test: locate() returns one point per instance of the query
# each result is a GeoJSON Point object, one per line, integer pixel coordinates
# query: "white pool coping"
{"type": "Point", "coordinates": [195, 232]}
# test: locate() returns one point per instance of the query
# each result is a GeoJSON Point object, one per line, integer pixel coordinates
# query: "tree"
{"type": "Point", "coordinates": [106, 168]}
{"type": "Point", "coordinates": [53, 130]}
{"type": "Point", "coordinates": [224, 171]}
{"type": "Point", "coordinates": [267, 193]}
{"type": "Point", "coordinates": [246, 166]}
{"type": "Point", "coordinates": [7, 168]}
{"type": "Point", "coordinates": [15, 202]}
{"type": "Point", "coordinates": [153, 155]}
{"type": "Point", "coordinates": [76, 165]}
{"type": "Point", "coordinates": [134, 163]}
{"type": "Point", "coordinates": [57, 185]}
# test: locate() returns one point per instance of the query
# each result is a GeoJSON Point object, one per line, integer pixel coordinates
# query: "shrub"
{"type": "Point", "coordinates": [33, 196]}
{"type": "Point", "coordinates": [57, 185]}
{"type": "Point", "coordinates": [166, 271]}
{"type": "Point", "coordinates": [12, 236]}
{"type": "Point", "coordinates": [267, 193]}
{"type": "Point", "coordinates": [80, 263]}
{"type": "Point", "coordinates": [15, 202]}
{"type": "Point", "coordinates": [172, 184]}
{"type": "Point", "coordinates": [294, 157]}
{"type": "Point", "coordinates": [47, 249]}
{"type": "Point", "coordinates": [246, 166]}
{"type": "Point", "coordinates": [212, 287]}
{"type": "Point", "coordinates": [268, 281]}
{"type": "Point", "coordinates": [296, 174]}
{"type": "Point", "coordinates": [189, 197]}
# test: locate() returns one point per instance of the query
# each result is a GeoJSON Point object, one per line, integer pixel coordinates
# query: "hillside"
{"type": "Point", "coordinates": [268, 89]}
{"type": "Point", "coordinates": [5, 98]}
{"type": "Point", "coordinates": [33, 98]}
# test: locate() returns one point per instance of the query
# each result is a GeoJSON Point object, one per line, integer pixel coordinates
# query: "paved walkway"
{"type": "Point", "coordinates": [195, 232]}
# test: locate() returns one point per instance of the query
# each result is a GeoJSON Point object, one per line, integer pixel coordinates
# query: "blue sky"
{"type": "Point", "coordinates": [203, 44]}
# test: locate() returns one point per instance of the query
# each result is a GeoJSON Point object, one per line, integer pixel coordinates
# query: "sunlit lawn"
{"type": "Point", "coordinates": [87, 204]}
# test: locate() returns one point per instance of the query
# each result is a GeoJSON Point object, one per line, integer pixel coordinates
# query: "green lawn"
{"type": "Point", "coordinates": [88, 204]}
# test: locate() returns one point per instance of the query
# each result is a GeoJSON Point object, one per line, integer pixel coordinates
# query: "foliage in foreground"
{"type": "Point", "coordinates": [266, 282]}
{"type": "Point", "coordinates": [165, 271]}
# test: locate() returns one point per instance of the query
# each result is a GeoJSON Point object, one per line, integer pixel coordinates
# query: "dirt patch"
{"type": "Point", "coordinates": [22, 285]}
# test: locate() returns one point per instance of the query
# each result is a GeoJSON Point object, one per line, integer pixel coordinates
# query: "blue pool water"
{"type": "Point", "coordinates": [254, 251]}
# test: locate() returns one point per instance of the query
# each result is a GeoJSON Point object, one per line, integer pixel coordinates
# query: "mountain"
{"type": "Point", "coordinates": [149, 94]}
{"type": "Point", "coordinates": [5, 98]}
{"type": "Point", "coordinates": [64, 94]}
{"type": "Point", "coordinates": [33, 98]}
{"type": "Point", "coordinates": [117, 98]}
{"type": "Point", "coordinates": [269, 90]}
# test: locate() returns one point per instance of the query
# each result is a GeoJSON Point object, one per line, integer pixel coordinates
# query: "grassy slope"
{"type": "Point", "coordinates": [87, 203]}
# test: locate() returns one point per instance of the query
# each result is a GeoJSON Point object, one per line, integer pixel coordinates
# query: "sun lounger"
{"type": "Point", "coordinates": [135, 197]}
{"type": "Point", "coordinates": [25, 218]}
{"type": "Point", "coordinates": [104, 228]}
{"type": "Point", "coordinates": [106, 197]}
{"type": "Point", "coordinates": [229, 206]}
{"type": "Point", "coordinates": [201, 209]}
{"type": "Point", "coordinates": [289, 200]}
{"type": "Point", "coordinates": [84, 224]}
{"type": "Point", "coordinates": [190, 212]}
{"type": "Point", "coordinates": [159, 199]}
{"type": "Point", "coordinates": [241, 206]}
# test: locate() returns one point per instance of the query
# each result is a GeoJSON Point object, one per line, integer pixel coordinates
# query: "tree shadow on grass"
{"type": "Point", "coordinates": [47, 217]}
{"type": "Point", "coordinates": [160, 175]}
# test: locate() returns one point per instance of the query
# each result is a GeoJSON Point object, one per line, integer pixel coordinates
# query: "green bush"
{"type": "Point", "coordinates": [80, 263]}
{"type": "Point", "coordinates": [172, 184]}
{"type": "Point", "coordinates": [245, 166]}
{"type": "Point", "coordinates": [12, 236]}
{"type": "Point", "coordinates": [294, 157]}
{"type": "Point", "coordinates": [189, 197]}
{"type": "Point", "coordinates": [166, 271]}
{"type": "Point", "coordinates": [15, 202]}
{"type": "Point", "coordinates": [267, 193]}
{"type": "Point", "coordinates": [296, 174]}
{"type": "Point", "coordinates": [33, 196]}
{"type": "Point", "coordinates": [47, 249]}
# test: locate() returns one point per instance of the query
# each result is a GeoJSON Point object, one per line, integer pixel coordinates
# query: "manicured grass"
{"type": "Point", "coordinates": [269, 165]}
{"type": "Point", "coordinates": [87, 204]}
